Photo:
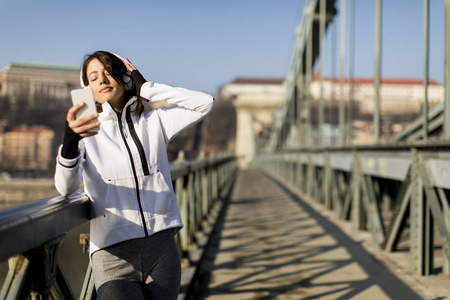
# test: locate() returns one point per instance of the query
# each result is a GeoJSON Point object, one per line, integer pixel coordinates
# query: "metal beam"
{"type": "Point", "coordinates": [351, 71]}
{"type": "Point", "coordinates": [426, 66]}
{"type": "Point", "coordinates": [323, 10]}
{"type": "Point", "coordinates": [447, 71]}
{"type": "Point", "coordinates": [342, 135]}
{"type": "Point", "coordinates": [377, 75]}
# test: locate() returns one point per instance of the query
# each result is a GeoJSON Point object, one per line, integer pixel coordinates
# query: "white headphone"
{"type": "Point", "coordinates": [126, 78]}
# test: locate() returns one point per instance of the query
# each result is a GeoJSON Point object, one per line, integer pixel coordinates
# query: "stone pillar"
{"type": "Point", "coordinates": [244, 137]}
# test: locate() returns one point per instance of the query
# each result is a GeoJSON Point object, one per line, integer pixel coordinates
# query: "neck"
{"type": "Point", "coordinates": [118, 105]}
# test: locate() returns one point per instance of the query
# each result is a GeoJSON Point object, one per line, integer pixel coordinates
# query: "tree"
{"type": "Point", "coordinates": [219, 131]}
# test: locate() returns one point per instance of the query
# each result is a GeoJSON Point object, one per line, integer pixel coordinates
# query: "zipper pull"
{"type": "Point", "coordinates": [125, 132]}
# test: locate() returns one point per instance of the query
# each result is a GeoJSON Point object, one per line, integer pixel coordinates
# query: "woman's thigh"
{"type": "Point", "coordinates": [149, 266]}
{"type": "Point", "coordinates": [163, 279]}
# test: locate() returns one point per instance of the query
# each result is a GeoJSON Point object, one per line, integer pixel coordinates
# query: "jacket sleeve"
{"type": "Point", "coordinates": [183, 107]}
{"type": "Point", "coordinates": [69, 173]}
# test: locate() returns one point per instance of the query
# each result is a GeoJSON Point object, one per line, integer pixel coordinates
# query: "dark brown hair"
{"type": "Point", "coordinates": [116, 68]}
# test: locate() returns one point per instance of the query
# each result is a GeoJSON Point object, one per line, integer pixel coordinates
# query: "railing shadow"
{"type": "Point", "coordinates": [264, 263]}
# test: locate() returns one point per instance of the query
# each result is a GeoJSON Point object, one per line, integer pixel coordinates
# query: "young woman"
{"type": "Point", "coordinates": [126, 175]}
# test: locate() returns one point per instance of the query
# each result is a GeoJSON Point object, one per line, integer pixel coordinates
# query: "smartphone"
{"type": "Point", "coordinates": [85, 95]}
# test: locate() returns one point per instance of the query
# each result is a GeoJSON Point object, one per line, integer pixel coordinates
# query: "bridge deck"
{"type": "Point", "coordinates": [269, 244]}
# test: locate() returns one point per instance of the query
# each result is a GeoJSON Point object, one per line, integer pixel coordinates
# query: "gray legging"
{"type": "Point", "coordinates": [146, 268]}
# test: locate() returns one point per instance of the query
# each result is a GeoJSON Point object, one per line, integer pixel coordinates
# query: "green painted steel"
{"type": "Point", "coordinates": [378, 189]}
{"type": "Point", "coordinates": [377, 75]}
{"type": "Point", "coordinates": [351, 71]}
{"type": "Point", "coordinates": [447, 72]}
{"type": "Point", "coordinates": [321, 108]}
{"type": "Point", "coordinates": [343, 13]}
{"type": "Point", "coordinates": [386, 189]}
{"type": "Point", "coordinates": [426, 60]}
{"type": "Point", "coordinates": [42, 225]}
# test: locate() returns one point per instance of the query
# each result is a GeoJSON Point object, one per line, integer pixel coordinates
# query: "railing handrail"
{"type": "Point", "coordinates": [382, 189]}
{"type": "Point", "coordinates": [27, 226]}
{"type": "Point", "coordinates": [399, 146]}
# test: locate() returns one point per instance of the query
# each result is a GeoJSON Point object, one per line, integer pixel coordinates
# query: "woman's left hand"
{"type": "Point", "coordinates": [129, 65]}
{"type": "Point", "coordinates": [138, 79]}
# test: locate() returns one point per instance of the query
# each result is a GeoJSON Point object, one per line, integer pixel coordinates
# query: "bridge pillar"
{"type": "Point", "coordinates": [256, 100]}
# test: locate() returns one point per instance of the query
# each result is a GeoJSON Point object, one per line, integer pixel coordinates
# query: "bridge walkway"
{"type": "Point", "coordinates": [270, 244]}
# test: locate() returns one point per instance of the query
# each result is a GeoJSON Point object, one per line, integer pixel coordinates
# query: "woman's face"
{"type": "Point", "coordinates": [104, 86]}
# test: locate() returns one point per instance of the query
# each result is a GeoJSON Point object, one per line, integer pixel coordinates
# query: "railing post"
{"type": "Point", "coordinates": [205, 190]}
{"type": "Point", "coordinates": [326, 186]}
{"type": "Point", "coordinates": [357, 216]}
{"type": "Point", "coordinates": [36, 273]}
{"type": "Point", "coordinates": [198, 199]}
{"type": "Point", "coordinates": [190, 205]}
{"type": "Point", "coordinates": [17, 283]}
{"type": "Point", "coordinates": [298, 171]}
{"type": "Point", "coordinates": [310, 176]}
{"type": "Point", "coordinates": [88, 291]}
{"type": "Point", "coordinates": [181, 199]}
{"type": "Point", "coordinates": [417, 216]}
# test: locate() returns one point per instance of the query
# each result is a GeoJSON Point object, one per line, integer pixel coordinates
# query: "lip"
{"type": "Point", "coordinates": [106, 89]}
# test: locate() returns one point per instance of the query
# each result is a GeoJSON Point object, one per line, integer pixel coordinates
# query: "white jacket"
{"type": "Point", "coordinates": [125, 168]}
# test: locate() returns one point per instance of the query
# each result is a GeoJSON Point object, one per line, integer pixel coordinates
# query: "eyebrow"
{"type": "Point", "coordinates": [92, 72]}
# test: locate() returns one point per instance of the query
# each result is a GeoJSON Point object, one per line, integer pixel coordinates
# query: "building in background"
{"type": "Point", "coordinates": [402, 101]}
{"type": "Point", "coordinates": [35, 101]}
{"type": "Point", "coordinates": [28, 81]}
{"type": "Point", "coordinates": [257, 100]}
{"type": "Point", "coordinates": [27, 151]}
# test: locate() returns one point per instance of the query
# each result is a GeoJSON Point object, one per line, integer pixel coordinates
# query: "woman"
{"type": "Point", "coordinates": [125, 170]}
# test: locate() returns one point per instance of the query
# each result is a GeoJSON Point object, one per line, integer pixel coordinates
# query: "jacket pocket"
{"type": "Point", "coordinates": [121, 205]}
{"type": "Point", "coordinates": [157, 197]}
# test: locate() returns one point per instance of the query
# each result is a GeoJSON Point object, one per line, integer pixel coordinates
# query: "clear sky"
{"type": "Point", "coordinates": [201, 44]}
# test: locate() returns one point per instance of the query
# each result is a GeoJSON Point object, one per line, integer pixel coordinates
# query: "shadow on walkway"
{"type": "Point", "coordinates": [269, 244]}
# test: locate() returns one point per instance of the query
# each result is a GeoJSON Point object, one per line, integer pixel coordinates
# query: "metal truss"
{"type": "Point", "coordinates": [386, 191]}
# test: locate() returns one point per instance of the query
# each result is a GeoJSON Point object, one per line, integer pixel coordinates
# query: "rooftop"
{"type": "Point", "coordinates": [40, 66]}
{"type": "Point", "coordinates": [369, 80]}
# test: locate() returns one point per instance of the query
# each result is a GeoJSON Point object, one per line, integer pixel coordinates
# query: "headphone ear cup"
{"type": "Point", "coordinates": [128, 82]}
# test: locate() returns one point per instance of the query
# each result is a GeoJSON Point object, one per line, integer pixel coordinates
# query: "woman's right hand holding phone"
{"type": "Point", "coordinates": [76, 129]}
{"type": "Point", "coordinates": [82, 126]}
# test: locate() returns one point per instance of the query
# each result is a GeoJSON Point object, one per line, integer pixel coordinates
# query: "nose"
{"type": "Point", "coordinates": [104, 79]}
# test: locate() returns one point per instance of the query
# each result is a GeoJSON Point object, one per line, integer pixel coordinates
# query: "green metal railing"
{"type": "Point", "coordinates": [398, 191]}
{"type": "Point", "coordinates": [390, 191]}
{"type": "Point", "coordinates": [31, 234]}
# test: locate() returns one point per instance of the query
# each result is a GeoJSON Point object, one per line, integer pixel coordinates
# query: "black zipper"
{"type": "Point", "coordinates": [135, 178]}
{"type": "Point", "coordinates": [137, 141]}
